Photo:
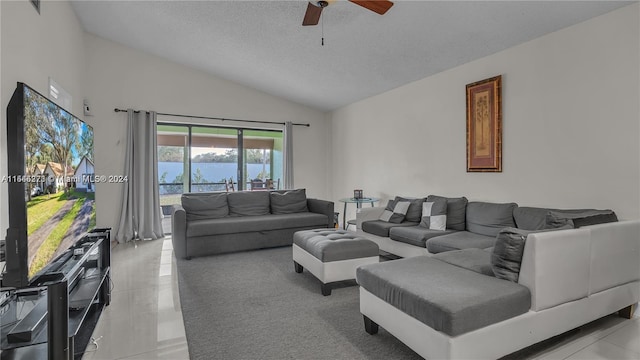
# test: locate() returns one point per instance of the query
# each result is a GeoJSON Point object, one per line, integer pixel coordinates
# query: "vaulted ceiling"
{"type": "Point", "coordinates": [263, 45]}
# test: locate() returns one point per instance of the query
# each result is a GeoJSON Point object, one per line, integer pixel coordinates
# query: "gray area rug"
{"type": "Point", "coordinates": [253, 305]}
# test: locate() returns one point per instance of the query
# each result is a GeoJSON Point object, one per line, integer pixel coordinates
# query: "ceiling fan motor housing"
{"type": "Point", "coordinates": [320, 3]}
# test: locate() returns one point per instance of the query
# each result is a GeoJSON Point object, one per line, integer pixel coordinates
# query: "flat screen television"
{"type": "Point", "coordinates": [51, 185]}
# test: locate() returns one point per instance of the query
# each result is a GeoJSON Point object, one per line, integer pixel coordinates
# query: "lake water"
{"type": "Point", "coordinates": [212, 172]}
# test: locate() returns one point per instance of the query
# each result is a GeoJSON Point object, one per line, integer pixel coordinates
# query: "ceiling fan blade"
{"type": "Point", "coordinates": [312, 16]}
{"type": "Point", "coordinates": [379, 6]}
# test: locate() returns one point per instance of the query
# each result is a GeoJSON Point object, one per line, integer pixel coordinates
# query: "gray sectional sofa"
{"type": "Point", "coordinates": [511, 277]}
{"type": "Point", "coordinates": [470, 225]}
{"type": "Point", "coordinates": [213, 223]}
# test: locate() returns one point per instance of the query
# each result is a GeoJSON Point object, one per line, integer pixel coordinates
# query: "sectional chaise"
{"type": "Point", "coordinates": [500, 282]}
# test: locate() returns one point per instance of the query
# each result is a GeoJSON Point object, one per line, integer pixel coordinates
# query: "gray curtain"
{"type": "Point", "coordinates": [141, 216]}
{"type": "Point", "coordinates": [288, 155]}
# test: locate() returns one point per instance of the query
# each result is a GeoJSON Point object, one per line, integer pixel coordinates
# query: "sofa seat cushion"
{"type": "Point", "coordinates": [459, 240]}
{"type": "Point", "coordinates": [381, 228]}
{"type": "Point", "coordinates": [443, 296]}
{"type": "Point", "coordinates": [415, 235]}
{"type": "Point", "coordinates": [478, 260]}
{"type": "Point", "coordinates": [242, 224]}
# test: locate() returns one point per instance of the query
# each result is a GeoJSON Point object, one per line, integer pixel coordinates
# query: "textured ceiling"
{"type": "Point", "coordinates": [263, 45]}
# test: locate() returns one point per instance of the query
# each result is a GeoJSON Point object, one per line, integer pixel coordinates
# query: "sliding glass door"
{"type": "Point", "coordinates": [262, 160]}
{"type": "Point", "coordinates": [216, 159]}
{"type": "Point", "coordinates": [173, 162]}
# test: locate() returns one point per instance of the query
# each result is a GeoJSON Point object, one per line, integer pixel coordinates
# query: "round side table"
{"type": "Point", "coordinates": [358, 203]}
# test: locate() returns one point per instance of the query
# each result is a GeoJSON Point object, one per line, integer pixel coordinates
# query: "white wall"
{"type": "Point", "coordinates": [122, 77]}
{"type": "Point", "coordinates": [35, 47]}
{"type": "Point", "coordinates": [570, 118]}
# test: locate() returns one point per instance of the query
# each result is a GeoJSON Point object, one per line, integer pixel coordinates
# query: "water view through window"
{"type": "Point", "coordinates": [214, 158]}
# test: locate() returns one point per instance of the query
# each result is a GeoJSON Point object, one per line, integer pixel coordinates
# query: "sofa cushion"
{"type": "Point", "coordinates": [489, 218]}
{"type": "Point", "coordinates": [445, 297]}
{"type": "Point", "coordinates": [243, 224]}
{"type": "Point", "coordinates": [506, 256]}
{"type": "Point", "coordinates": [456, 211]}
{"type": "Point", "coordinates": [534, 218]}
{"type": "Point", "coordinates": [434, 215]}
{"type": "Point", "coordinates": [530, 218]}
{"type": "Point", "coordinates": [205, 205]}
{"type": "Point", "coordinates": [248, 203]}
{"type": "Point", "coordinates": [381, 228]}
{"type": "Point", "coordinates": [459, 240]}
{"type": "Point", "coordinates": [478, 260]}
{"type": "Point", "coordinates": [579, 218]}
{"type": "Point", "coordinates": [414, 213]}
{"type": "Point", "coordinates": [507, 253]}
{"type": "Point", "coordinates": [415, 235]}
{"type": "Point", "coordinates": [288, 202]}
{"type": "Point", "coordinates": [395, 211]}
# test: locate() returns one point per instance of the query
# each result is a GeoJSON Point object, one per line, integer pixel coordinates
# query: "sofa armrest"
{"type": "Point", "coordinates": [368, 213]}
{"type": "Point", "coordinates": [179, 231]}
{"type": "Point", "coordinates": [323, 207]}
{"type": "Point", "coordinates": [555, 267]}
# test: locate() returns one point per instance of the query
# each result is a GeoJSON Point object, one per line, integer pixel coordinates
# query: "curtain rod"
{"type": "Point", "coordinates": [216, 118]}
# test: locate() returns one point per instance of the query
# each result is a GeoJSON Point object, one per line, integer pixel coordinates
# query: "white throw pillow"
{"type": "Point", "coordinates": [434, 215]}
{"type": "Point", "coordinates": [398, 213]}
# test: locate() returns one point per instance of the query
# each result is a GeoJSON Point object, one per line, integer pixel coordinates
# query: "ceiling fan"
{"type": "Point", "coordinates": [314, 9]}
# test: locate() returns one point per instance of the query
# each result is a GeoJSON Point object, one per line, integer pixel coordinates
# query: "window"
{"type": "Point", "coordinates": [212, 155]}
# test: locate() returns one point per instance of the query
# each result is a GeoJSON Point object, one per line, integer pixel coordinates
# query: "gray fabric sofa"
{"type": "Point", "coordinates": [214, 223]}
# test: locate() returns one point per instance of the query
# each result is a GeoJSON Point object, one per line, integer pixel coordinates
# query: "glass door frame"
{"type": "Point", "coordinates": [240, 176]}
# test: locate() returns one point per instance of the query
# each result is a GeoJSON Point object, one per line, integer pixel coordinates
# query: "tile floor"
{"type": "Point", "coordinates": [144, 320]}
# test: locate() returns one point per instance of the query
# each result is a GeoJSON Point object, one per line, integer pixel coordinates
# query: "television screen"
{"type": "Point", "coordinates": [51, 163]}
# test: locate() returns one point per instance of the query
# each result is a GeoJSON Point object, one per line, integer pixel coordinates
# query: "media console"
{"type": "Point", "coordinates": [44, 320]}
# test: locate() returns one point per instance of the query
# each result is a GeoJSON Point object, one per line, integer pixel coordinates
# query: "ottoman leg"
{"type": "Point", "coordinates": [326, 289]}
{"type": "Point", "coordinates": [298, 267]}
{"type": "Point", "coordinates": [369, 326]}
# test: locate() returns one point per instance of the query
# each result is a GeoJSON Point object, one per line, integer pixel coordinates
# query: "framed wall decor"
{"type": "Point", "coordinates": [484, 125]}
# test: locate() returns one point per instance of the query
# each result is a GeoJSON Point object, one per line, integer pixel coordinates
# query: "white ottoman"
{"type": "Point", "coordinates": [332, 255]}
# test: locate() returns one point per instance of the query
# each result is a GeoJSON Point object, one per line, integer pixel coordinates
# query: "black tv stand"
{"type": "Point", "coordinates": [44, 319]}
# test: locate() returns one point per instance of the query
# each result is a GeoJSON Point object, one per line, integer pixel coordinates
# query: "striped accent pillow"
{"type": "Point", "coordinates": [395, 212]}
{"type": "Point", "coordinates": [434, 215]}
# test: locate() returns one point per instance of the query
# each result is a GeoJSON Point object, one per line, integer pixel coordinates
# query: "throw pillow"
{"type": "Point", "coordinates": [415, 209]}
{"type": "Point", "coordinates": [395, 211]}
{"type": "Point", "coordinates": [507, 253]}
{"type": "Point", "coordinates": [456, 211]}
{"type": "Point", "coordinates": [506, 257]}
{"type": "Point", "coordinates": [289, 202]}
{"type": "Point", "coordinates": [434, 215]}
